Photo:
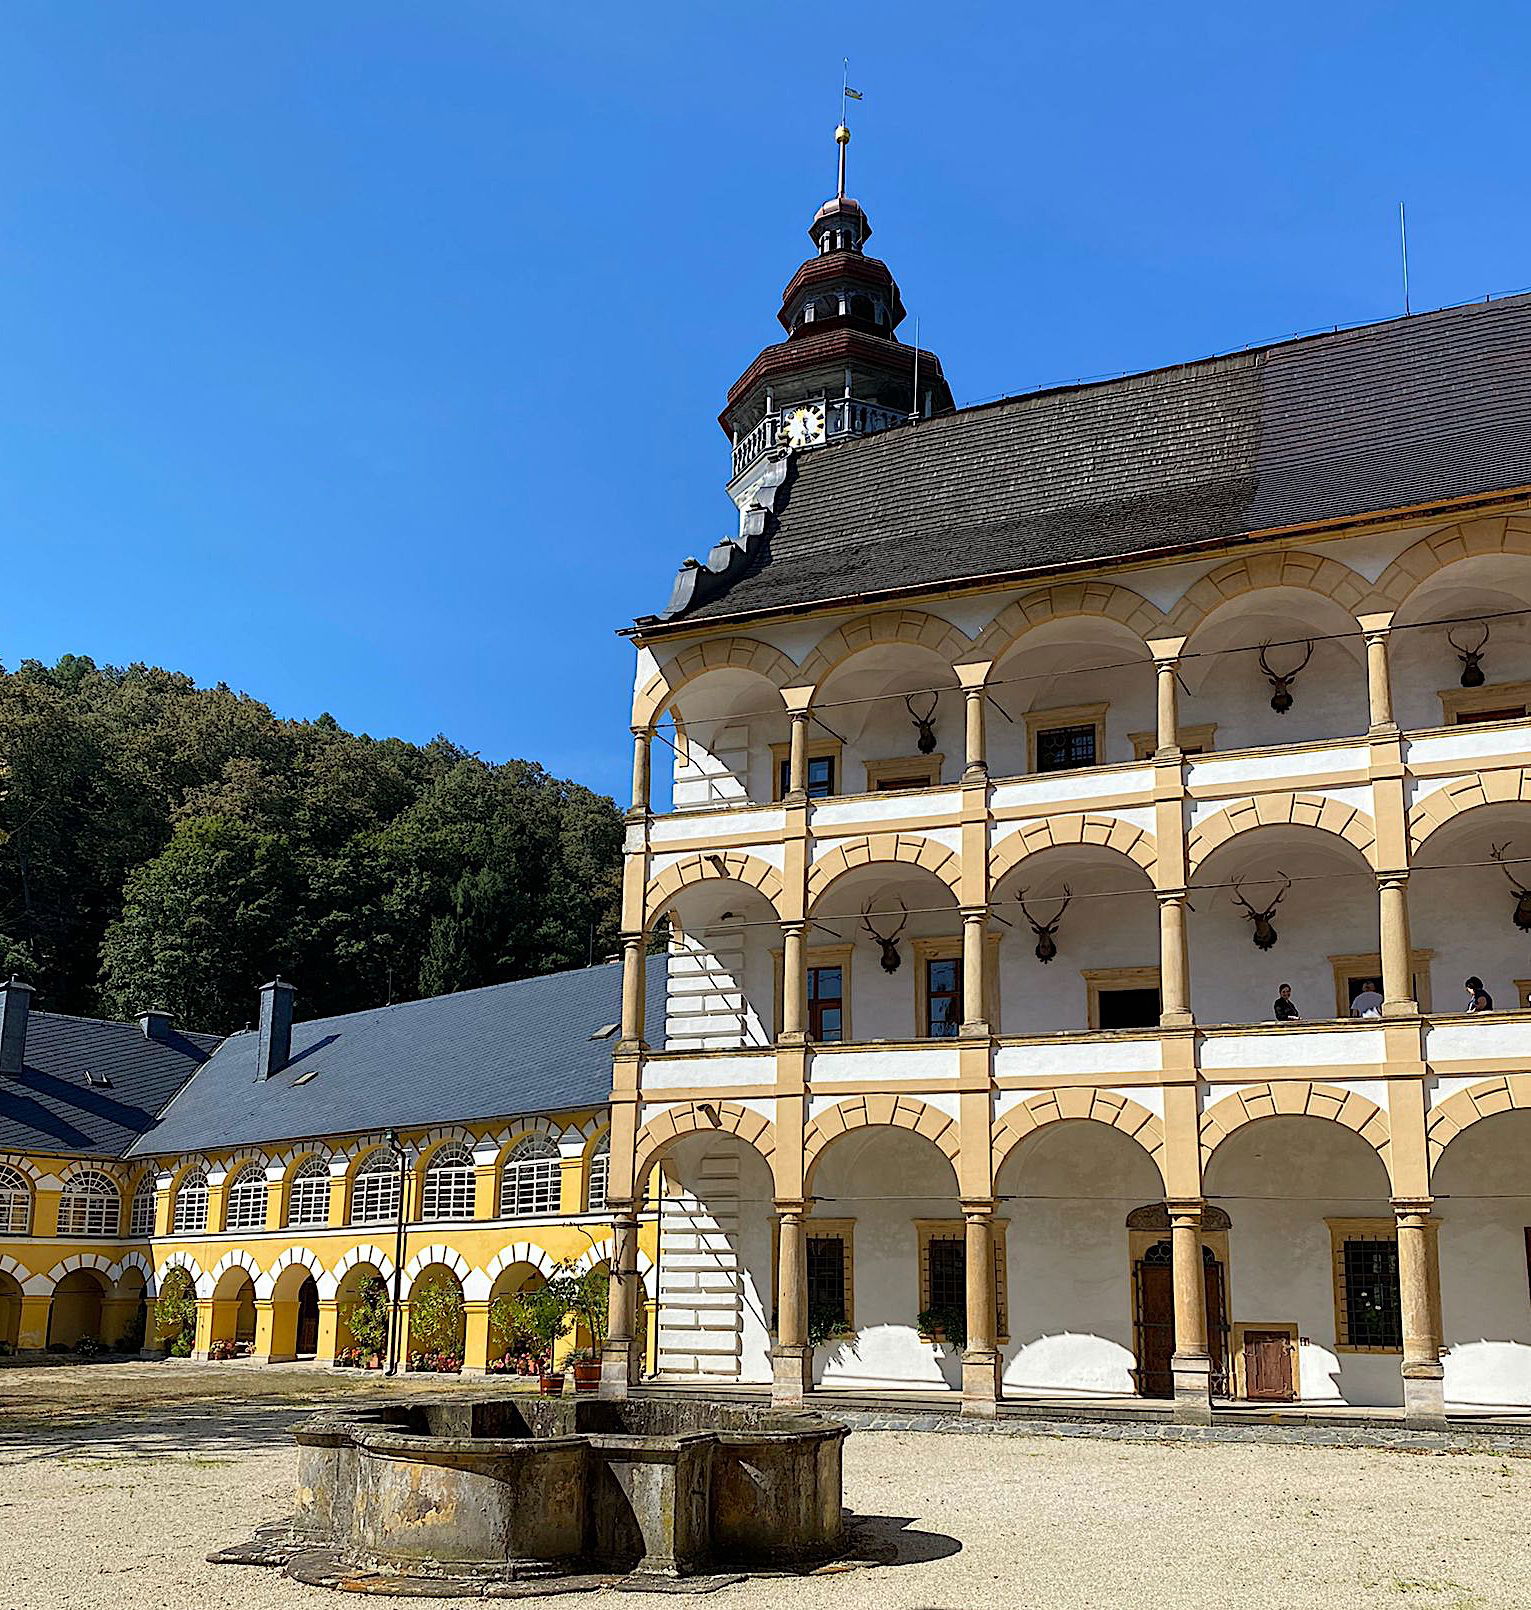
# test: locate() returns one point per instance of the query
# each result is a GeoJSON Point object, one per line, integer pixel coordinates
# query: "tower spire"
{"type": "Point", "coordinates": [842, 129]}
{"type": "Point", "coordinates": [842, 139]}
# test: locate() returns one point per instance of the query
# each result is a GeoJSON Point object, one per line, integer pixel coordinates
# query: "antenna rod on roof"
{"type": "Point", "coordinates": [1403, 241]}
{"type": "Point", "coordinates": [914, 409]}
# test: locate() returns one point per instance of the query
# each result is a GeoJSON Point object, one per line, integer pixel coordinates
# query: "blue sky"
{"type": "Point", "coordinates": [366, 355]}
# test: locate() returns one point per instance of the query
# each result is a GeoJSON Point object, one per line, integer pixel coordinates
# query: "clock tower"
{"type": "Point", "coordinates": [842, 370]}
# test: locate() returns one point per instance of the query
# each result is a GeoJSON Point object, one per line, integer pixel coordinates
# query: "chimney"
{"type": "Point", "coordinates": [275, 1051]}
{"type": "Point", "coordinates": [156, 1025]}
{"type": "Point", "coordinates": [15, 1003]}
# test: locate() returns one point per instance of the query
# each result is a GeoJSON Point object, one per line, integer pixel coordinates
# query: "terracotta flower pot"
{"type": "Point", "coordinates": [587, 1377]}
{"type": "Point", "coordinates": [550, 1386]}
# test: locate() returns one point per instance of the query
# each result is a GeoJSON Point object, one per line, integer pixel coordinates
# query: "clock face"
{"type": "Point", "coordinates": [804, 425]}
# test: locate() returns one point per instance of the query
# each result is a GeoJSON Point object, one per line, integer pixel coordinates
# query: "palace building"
{"type": "Point", "coordinates": [461, 1139]}
{"type": "Point", "coordinates": [1014, 758]}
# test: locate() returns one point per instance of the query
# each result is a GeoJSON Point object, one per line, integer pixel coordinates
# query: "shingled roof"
{"type": "Point", "coordinates": [89, 1085]}
{"type": "Point", "coordinates": [524, 1047]}
{"type": "Point", "coordinates": [1427, 409]}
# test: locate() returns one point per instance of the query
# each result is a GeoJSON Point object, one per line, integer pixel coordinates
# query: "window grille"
{"type": "Point", "coordinates": [191, 1203]}
{"type": "Point", "coordinates": [1369, 1287]}
{"type": "Point", "coordinates": [375, 1192]}
{"type": "Point", "coordinates": [826, 1280]}
{"type": "Point", "coordinates": [529, 1181]}
{"type": "Point", "coordinates": [448, 1184]}
{"type": "Point", "coordinates": [89, 1205]}
{"type": "Point", "coordinates": [245, 1203]}
{"type": "Point", "coordinates": [308, 1201]}
{"type": "Point", "coordinates": [600, 1174]}
{"type": "Point", "coordinates": [15, 1202]}
{"type": "Point", "coordinates": [141, 1214]}
{"type": "Point", "coordinates": [1064, 748]}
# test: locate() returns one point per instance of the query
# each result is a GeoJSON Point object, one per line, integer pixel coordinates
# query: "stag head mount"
{"type": "Point", "coordinates": [1281, 681]}
{"type": "Point", "coordinates": [1047, 946]}
{"type": "Point", "coordinates": [923, 724]}
{"type": "Point", "coordinates": [1522, 917]}
{"type": "Point", "coordinates": [1265, 934]}
{"type": "Point", "coordinates": [1471, 658]}
{"type": "Point", "coordinates": [889, 942]}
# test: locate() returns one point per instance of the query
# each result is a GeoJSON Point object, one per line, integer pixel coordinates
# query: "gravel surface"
{"type": "Point", "coordinates": [118, 1482]}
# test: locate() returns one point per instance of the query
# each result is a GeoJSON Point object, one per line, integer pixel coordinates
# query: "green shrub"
{"type": "Point", "coordinates": [947, 1324]}
{"type": "Point", "coordinates": [367, 1318]}
{"type": "Point", "coordinates": [175, 1314]}
{"type": "Point", "coordinates": [436, 1314]}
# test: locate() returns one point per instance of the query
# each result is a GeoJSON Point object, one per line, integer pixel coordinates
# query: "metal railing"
{"type": "Point", "coordinates": [843, 416]}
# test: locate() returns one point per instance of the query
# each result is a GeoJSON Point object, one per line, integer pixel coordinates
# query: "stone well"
{"type": "Point", "coordinates": [514, 1487]}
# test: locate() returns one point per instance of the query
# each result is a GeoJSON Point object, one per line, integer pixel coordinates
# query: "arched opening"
{"type": "Point", "coordinates": [125, 1314]}
{"type": "Point", "coordinates": [725, 724]}
{"type": "Point", "coordinates": [308, 1197]}
{"type": "Point", "coordinates": [1093, 910]}
{"type": "Point", "coordinates": [363, 1315]}
{"type": "Point", "coordinates": [74, 1314]}
{"type": "Point", "coordinates": [720, 969]}
{"type": "Point", "coordinates": [531, 1179]}
{"type": "Point", "coordinates": [232, 1334]}
{"type": "Point", "coordinates": [89, 1205]}
{"type": "Point", "coordinates": [888, 936]}
{"type": "Point", "coordinates": [887, 1231]}
{"type": "Point", "coordinates": [1464, 600]}
{"type": "Point", "coordinates": [191, 1196]}
{"type": "Point", "coordinates": [437, 1321]}
{"type": "Point", "coordinates": [1226, 687]}
{"type": "Point", "coordinates": [1483, 1201]}
{"type": "Point", "coordinates": [715, 1260]}
{"type": "Point", "coordinates": [892, 719]}
{"type": "Point", "coordinates": [1315, 897]}
{"type": "Point", "coordinates": [375, 1188]}
{"type": "Point", "coordinates": [10, 1313]}
{"type": "Point", "coordinates": [447, 1191]}
{"type": "Point", "coordinates": [1313, 1257]}
{"type": "Point", "coordinates": [15, 1201]}
{"type": "Point", "coordinates": [1065, 1190]}
{"type": "Point", "coordinates": [1072, 692]}
{"type": "Point", "coordinates": [244, 1200]}
{"type": "Point", "coordinates": [1465, 912]}
{"type": "Point", "coordinates": [511, 1350]}
{"type": "Point", "coordinates": [294, 1314]}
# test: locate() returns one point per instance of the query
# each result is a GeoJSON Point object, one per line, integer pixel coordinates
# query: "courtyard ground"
{"type": "Point", "coordinates": [118, 1479]}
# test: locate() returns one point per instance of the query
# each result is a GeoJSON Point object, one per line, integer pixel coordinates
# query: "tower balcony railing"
{"type": "Point", "coordinates": [843, 416]}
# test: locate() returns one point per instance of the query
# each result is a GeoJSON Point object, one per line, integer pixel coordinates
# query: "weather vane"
{"type": "Point", "coordinates": [843, 132]}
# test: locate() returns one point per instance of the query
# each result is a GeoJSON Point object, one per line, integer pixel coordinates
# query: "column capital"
{"type": "Point", "coordinates": [1375, 625]}
{"type": "Point", "coordinates": [794, 927]}
{"type": "Point", "coordinates": [1394, 879]}
{"type": "Point", "coordinates": [641, 731]}
{"type": "Point", "coordinates": [1172, 897]}
{"type": "Point", "coordinates": [1166, 650]}
{"type": "Point", "coordinates": [797, 701]}
{"type": "Point", "coordinates": [1186, 1211]}
{"type": "Point", "coordinates": [972, 675]}
{"type": "Point", "coordinates": [1414, 1207]}
{"type": "Point", "coordinates": [792, 1207]}
{"type": "Point", "coordinates": [979, 1208]}
{"type": "Point", "coordinates": [974, 913]}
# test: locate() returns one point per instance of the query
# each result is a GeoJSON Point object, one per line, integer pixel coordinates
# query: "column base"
{"type": "Point", "coordinates": [619, 1368]}
{"type": "Point", "coordinates": [1193, 1387]}
{"type": "Point", "coordinates": [1424, 1394]}
{"type": "Point", "coordinates": [1403, 1008]}
{"type": "Point", "coordinates": [1176, 1020]}
{"type": "Point", "coordinates": [980, 1384]}
{"type": "Point", "coordinates": [978, 772]}
{"type": "Point", "coordinates": [791, 1376]}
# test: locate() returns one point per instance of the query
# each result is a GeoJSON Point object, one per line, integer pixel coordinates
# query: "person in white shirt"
{"type": "Point", "coordinates": [1367, 1003]}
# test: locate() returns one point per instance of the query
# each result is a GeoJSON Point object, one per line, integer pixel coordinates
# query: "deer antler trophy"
{"type": "Point", "coordinates": [1471, 658]}
{"type": "Point", "coordinates": [922, 723]}
{"type": "Point", "coordinates": [889, 942]}
{"type": "Point", "coordinates": [1281, 682]}
{"type": "Point", "coordinates": [1047, 946]}
{"type": "Point", "coordinates": [1265, 934]}
{"type": "Point", "coordinates": [1522, 893]}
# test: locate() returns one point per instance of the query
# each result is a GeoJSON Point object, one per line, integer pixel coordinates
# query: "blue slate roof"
{"type": "Point", "coordinates": [51, 1106]}
{"type": "Point", "coordinates": [508, 1049]}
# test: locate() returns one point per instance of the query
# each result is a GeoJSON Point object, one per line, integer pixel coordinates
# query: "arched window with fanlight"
{"type": "Point", "coordinates": [308, 1199]}
{"type": "Point", "coordinates": [529, 1180]}
{"type": "Point", "coordinates": [141, 1214]}
{"type": "Point", "coordinates": [375, 1190]}
{"type": "Point", "coordinates": [448, 1192]}
{"type": "Point", "coordinates": [90, 1204]}
{"type": "Point", "coordinates": [600, 1174]}
{"type": "Point", "coordinates": [191, 1203]}
{"type": "Point", "coordinates": [244, 1205]}
{"type": "Point", "coordinates": [15, 1201]}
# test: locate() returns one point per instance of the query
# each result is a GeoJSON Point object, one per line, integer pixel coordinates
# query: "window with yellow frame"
{"type": "Point", "coordinates": [826, 994]}
{"type": "Point", "coordinates": [1368, 1303]}
{"type": "Point", "coordinates": [911, 771]}
{"type": "Point", "coordinates": [942, 1250]}
{"type": "Point", "coordinates": [938, 987]}
{"type": "Point", "coordinates": [824, 774]}
{"type": "Point", "coordinates": [1195, 740]}
{"type": "Point", "coordinates": [1066, 739]}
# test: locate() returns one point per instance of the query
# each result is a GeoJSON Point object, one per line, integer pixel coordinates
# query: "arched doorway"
{"type": "Point", "coordinates": [363, 1312]}
{"type": "Point", "coordinates": [437, 1321]}
{"type": "Point", "coordinates": [75, 1312]}
{"type": "Point", "coordinates": [307, 1342]}
{"type": "Point", "coordinates": [10, 1311]}
{"type": "Point", "coordinates": [1153, 1298]}
{"type": "Point", "coordinates": [294, 1314]}
{"type": "Point", "coordinates": [234, 1310]}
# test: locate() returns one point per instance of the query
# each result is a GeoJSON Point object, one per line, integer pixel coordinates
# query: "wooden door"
{"type": "Point", "coordinates": [308, 1319]}
{"type": "Point", "coordinates": [1155, 1302]}
{"type": "Point", "coordinates": [1217, 1323]}
{"type": "Point", "coordinates": [1268, 1365]}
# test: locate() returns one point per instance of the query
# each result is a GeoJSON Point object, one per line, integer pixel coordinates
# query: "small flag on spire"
{"type": "Point", "coordinates": [854, 94]}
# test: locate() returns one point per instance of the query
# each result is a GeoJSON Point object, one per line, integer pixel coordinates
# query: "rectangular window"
{"type": "Point", "coordinates": [1510, 712]}
{"type": "Point", "coordinates": [912, 771]}
{"type": "Point", "coordinates": [943, 997]}
{"type": "Point", "coordinates": [1064, 748]}
{"type": "Point", "coordinates": [1129, 1009]}
{"type": "Point", "coordinates": [947, 1277]}
{"type": "Point", "coordinates": [1372, 1310]}
{"type": "Point", "coordinates": [819, 776]}
{"type": "Point", "coordinates": [141, 1215]}
{"type": "Point", "coordinates": [826, 1004]}
{"type": "Point", "coordinates": [826, 1282]}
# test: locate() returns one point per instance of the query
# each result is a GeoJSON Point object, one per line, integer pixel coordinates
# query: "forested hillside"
{"type": "Point", "coordinates": [173, 846]}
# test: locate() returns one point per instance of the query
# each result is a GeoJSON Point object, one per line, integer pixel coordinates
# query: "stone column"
{"type": "Point", "coordinates": [1397, 955]}
{"type": "Point", "coordinates": [206, 1313]}
{"type": "Point", "coordinates": [797, 759]}
{"type": "Point", "coordinates": [642, 750]}
{"type": "Point", "coordinates": [1174, 961]}
{"type": "Point", "coordinates": [792, 1357]}
{"type": "Point", "coordinates": [32, 1329]}
{"type": "Point", "coordinates": [1165, 671]}
{"type": "Point", "coordinates": [972, 678]}
{"type": "Point", "coordinates": [622, 1354]}
{"type": "Point", "coordinates": [329, 1330]}
{"type": "Point", "coordinates": [1419, 1287]}
{"type": "Point", "coordinates": [980, 1358]}
{"type": "Point", "coordinates": [975, 958]}
{"type": "Point", "coordinates": [794, 981]}
{"type": "Point", "coordinates": [1191, 1364]}
{"type": "Point", "coordinates": [1379, 689]}
{"type": "Point", "coordinates": [475, 1347]}
{"type": "Point", "coordinates": [633, 988]}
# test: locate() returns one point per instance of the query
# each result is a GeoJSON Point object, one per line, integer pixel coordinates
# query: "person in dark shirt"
{"type": "Point", "coordinates": [1285, 1008]}
{"type": "Point", "coordinates": [1478, 998]}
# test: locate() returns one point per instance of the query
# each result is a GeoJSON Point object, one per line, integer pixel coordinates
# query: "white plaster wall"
{"type": "Point", "coordinates": [1482, 1185]}
{"type": "Point", "coordinates": [886, 1180]}
{"type": "Point", "coordinates": [1046, 679]}
{"type": "Point", "coordinates": [1279, 1180]}
{"type": "Point", "coordinates": [1067, 1191]}
{"type": "Point", "coordinates": [1464, 914]}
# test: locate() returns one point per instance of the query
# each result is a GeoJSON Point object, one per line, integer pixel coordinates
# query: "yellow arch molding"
{"type": "Point", "coordinates": [1102, 598]}
{"type": "Point", "coordinates": [1278, 810]}
{"type": "Point", "coordinates": [893, 849]}
{"type": "Point", "coordinates": [736, 866]}
{"type": "Point", "coordinates": [701, 1117]}
{"type": "Point", "coordinates": [1506, 1093]}
{"type": "Point", "coordinates": [1090, 1106]}
{"type": "Point", "coordinates": [880, 1111]}
{"type": "Point", "coordinates": [911, 626]}
{"type": "Point", "coordinates": [1310, 572]}
{"type": "Point", "coordinates": [1296, 1098]}
{"type": "Point", "coordinates": [716, 654]}
{"type": "Point", "coordinates": [1109, 831]}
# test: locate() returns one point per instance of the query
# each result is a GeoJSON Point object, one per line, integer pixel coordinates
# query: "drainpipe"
{"type": "Point", "coordinates": [392, 1139]}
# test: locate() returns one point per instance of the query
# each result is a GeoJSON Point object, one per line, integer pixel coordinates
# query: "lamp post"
{"type": "Point", "coordinates": [396, 1146]}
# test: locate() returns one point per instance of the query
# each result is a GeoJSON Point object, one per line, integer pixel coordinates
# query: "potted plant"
{"type": "Point", "coordinates": [827, 1324]}
{"type": "Point", "coordinates": [221, 1351]}
{"type": "Point", "coordinates": [586, 1365]}
{"type": "Point", "coordinates": [367, 1321]}
{"type": "Point", "coordinates": [592, 1307]}
{"type": "Point", "coordinates": [175, 1314]}
{"type": "Point", "coordinates": [945, 1324]}
{"type": "Point", "coordinates": [544, 1315]}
